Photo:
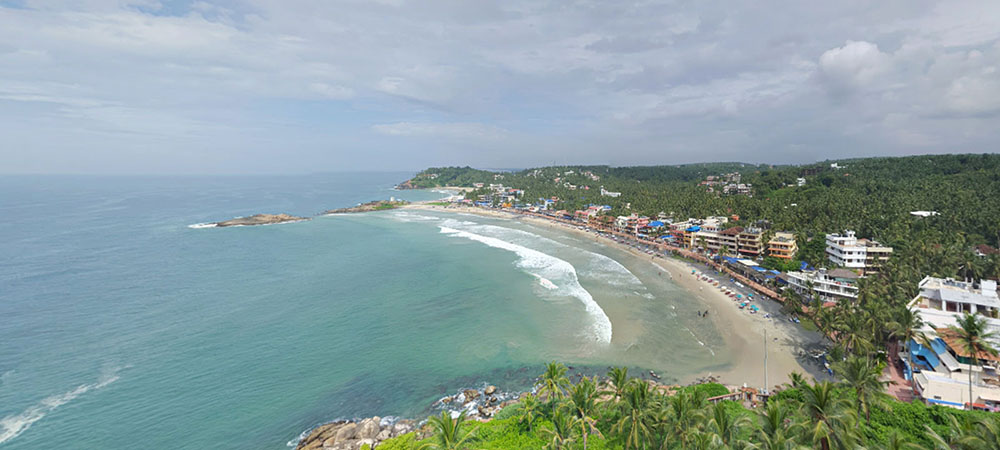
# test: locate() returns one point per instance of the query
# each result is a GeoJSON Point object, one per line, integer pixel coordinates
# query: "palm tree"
{"type": "Point", "coordinates": [852, 332]}
{"type": "Point", "coordinates": [449, 434]}
{"type": "Point", "coordinates": [682, 412]}
{"type": "Point", "coordinates": [725, 426]}
{"type": "Point", "coordinates": [529, 410]}
{"type": "Point", "coordinates": [583, 397]}
{"type": "Point", "coordinates": [777, 427]}
{"type": "Point", "coordinates": [907, 327]}
{"type": "Point", "coordinates": [959, 434]}
{"type": "Point", "coordinates": [971, 268]}
{"type": "Point", "coordinates": [831, 418]}
{"type": "Point", "coordinates": [705, 441]}
{"type": "Point", "coordinates": [796, 379]}
{"type": "Point", "coordinates": [561, 431]}
{"type": "Point", "coordinates": [974, 337]}
{"type": "Point", "coordinates": [861, 375]}
{"type": "Point", "coordinates": [634, 423]}
{"type": "Point", "coordinates": [553, 381]}
{"type": "Point", "coordinates": [897, 441]}
{"type": "Point", "coordinates": [618, 378]}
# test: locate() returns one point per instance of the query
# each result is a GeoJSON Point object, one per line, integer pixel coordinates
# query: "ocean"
{"type": "Point", "coordinates": [123, 326]}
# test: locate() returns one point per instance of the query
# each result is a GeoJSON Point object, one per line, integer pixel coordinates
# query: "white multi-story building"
{"type": "Point", "coordinates": [829, 286]}
{"type": "Point", "coordinates": [942, 368]}
{"type": "Point", "coordinates": [848, 251]}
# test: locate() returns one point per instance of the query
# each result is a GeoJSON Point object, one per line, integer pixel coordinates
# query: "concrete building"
{"type": "Point", "coordinates": [829, 286]}
{"type": "Point", "coordinates": [848, 251]}
{"type": "Point", "coordinates": [698, 231]}
{"type": "Point", "coordinates": [941, 368]}
{"type": "Point", "coordinates": [750, 242]}
{"type": "Point", "coordinates": [607, 193]}
{"type": "Point", "coordinates": [782, 245]}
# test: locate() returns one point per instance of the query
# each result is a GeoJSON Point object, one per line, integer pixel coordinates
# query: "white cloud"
{"type": "Point", "coordinates": [668, 79]}
{"type": "Point", "coordinates": [855, 65]}
{"type": "Point", "coordinates": [446, 130]}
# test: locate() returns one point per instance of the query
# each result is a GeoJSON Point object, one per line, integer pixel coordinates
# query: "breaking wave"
{"type": "Point", "coordinates": [548, 267]}
{"type": "Point", "coordinates": [13, 425]}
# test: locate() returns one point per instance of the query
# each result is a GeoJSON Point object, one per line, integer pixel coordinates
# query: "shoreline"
{"type": "Point", "coordinates": [743, 333]}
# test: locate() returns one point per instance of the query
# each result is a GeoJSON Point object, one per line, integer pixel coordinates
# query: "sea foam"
{"type": "Point", "coordinates": [13, 425]}
{"type": "Point", "coordinates": [548, 267]}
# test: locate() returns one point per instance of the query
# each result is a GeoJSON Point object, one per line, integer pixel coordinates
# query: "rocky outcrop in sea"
{"type": "Point", "coordinates": [259, 219]}
{"type": "Point", "coordinates": [377, 205]}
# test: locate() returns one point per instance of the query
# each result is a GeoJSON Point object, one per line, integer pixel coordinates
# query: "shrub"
{"type": "Point", "coordinates": [709, 389]}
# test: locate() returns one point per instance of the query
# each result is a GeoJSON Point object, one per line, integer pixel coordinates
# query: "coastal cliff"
{"type": "Point", "coordinates": [408, 184]}
{"type": "Point", "coordinates": [377, 205]}
{"type": "Point", "coordinates": [260, 219]}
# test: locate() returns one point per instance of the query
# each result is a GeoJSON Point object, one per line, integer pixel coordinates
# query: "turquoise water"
{"type": "Point", "coordinates": [121, 326]}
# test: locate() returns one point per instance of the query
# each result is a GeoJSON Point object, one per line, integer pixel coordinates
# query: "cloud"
{"type": "Point", "coordinates": [446, 130]}
{"type": "Point", "coordinates": [493, 82]}
{"type": "Point", "coordinates": [856, 65]}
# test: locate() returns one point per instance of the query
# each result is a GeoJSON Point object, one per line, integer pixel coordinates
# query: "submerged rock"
{"type": "Point", "coordinates": [470, 395]}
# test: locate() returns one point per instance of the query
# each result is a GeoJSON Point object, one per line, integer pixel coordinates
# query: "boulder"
{"type": "Point", "coordinates": [347, 432]}
{"type": "Point", "coordinates": [386, 433]}
{"type": "Point", "coordinates": [447, 400]}
{"type": "Point", "coordinates": [402, 427]}
{"type": "Point", "coordinates": [371, 443]}
{"type": "Point", "coordinates": [490, 390]}
{"type": "Point", "coordinates": [367, 429]}
{"type": "Point", "coordinates": [470, 395]}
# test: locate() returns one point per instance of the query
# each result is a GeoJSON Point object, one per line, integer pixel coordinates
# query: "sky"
{"type": "Point", "coordinates": [266, 86]}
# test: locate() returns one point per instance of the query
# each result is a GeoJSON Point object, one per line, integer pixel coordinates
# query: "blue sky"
{"type": "Point", "coordinates": [119, 86]}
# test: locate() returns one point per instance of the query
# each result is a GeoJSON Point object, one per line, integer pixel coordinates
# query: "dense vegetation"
{"type": "Point", "coordinates": [450, 176]}
{"type": "Point", "coordinates": [619, 412]}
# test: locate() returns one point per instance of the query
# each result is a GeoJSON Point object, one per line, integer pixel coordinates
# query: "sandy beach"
{"type": "Point", "coordinates": [744, 333]}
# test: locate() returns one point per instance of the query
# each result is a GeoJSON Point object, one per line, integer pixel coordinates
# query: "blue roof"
{"type": "Point", "coordinates": [656, 223]}
{"type": "Point", "coordinates": [776, 272]}
{"type": "Point", "coordinates": [759, 269]}
{"type": "Point", "coordinates": [694, 228]}
{"type": "Point", "coordinates": [730, 259]}
{"type": "Point", "coordinates": [805, 266]}
{"type": "Point", "coordinates": [929, 355]}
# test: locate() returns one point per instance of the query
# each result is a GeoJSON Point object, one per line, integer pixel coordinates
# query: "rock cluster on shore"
{"type": "Point", "coordinates": [260, 219]}
{"type": "Point", "coordinates": [478, 405]}
{"type": "Point", "coordinates": [352, 435]}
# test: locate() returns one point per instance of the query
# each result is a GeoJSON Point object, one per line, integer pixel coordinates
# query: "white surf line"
{"type": "Point", "coordinates": [604, 268]}
{"type": "Point", "coordinates": [13, 425]}
{"type": "Point", "coordinates": [534, 259]}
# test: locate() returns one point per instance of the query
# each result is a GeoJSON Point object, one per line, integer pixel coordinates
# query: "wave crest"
{"type": "Point", "coordinates": [548, 267]}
